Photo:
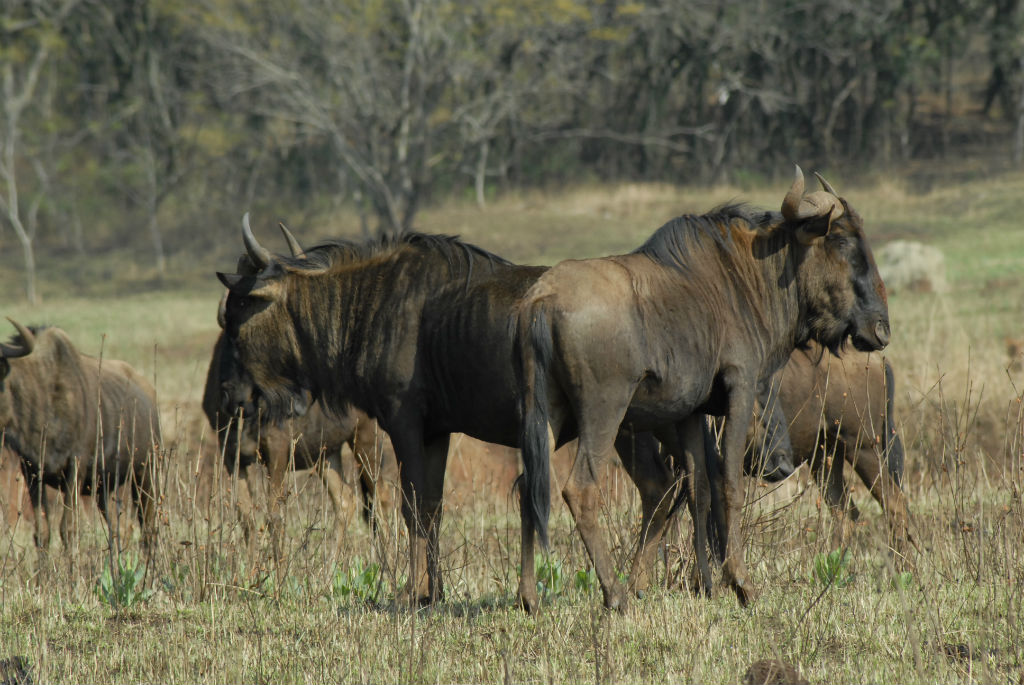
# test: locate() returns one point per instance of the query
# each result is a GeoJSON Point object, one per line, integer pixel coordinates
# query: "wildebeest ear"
{"type": "Point", "coordinates": [240, 284]}
{"type": "Point", "coordinates": [812, 229]}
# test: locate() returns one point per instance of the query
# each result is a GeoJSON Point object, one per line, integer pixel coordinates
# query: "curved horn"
{"type": "Point", "coordinates": [260, 255]}
{"type": "Point", "coordinates": [820, 203]}
{"type": "Point", "coordinates": [293, 244]}
{"type": "Point", "coordinates": [28, 342]}
{"type": "Point", "coordinates": [791, 203]}
{"type": "Point", "coordinates": [826, 186]}
{"type": "Point", "coordinates": [796, 206]}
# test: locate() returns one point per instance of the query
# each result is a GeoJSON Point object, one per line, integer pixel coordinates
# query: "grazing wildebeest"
{"type": "Point", "coordinates": [822, 410]}
{"type": "Point", "coordinates": [313, 440]}
{"type": "Point", "coordinates": [839, 410]}
{"type": "Point", "coordinates": [413, 330]}
{"type": "Point", "coordinates": [79, 424]}
{"type": "Point", "coordinates": [690, 322]}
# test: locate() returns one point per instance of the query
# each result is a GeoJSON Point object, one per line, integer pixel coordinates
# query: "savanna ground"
{"type": "Point", "coordinates": [207, 611]}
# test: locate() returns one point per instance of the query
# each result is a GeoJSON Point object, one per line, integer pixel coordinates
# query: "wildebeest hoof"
{"type": "Point", "coordinates": [529, 603]}
{"type": "Point", "coordinates": [616, 601]}
{"type": "Point", "coordinates": [745, 591]}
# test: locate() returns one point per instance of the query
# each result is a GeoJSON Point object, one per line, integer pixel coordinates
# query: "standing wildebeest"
{"type": "Point", "coordinates": [311, 441]}
{"type": "Point", "coordinates": [346, 323]}
{"type": "Point", "coordinates": [413, 330]}
{"type": "Point", "coordinates": [690, 322]}
{"type": "Point", "coordinates": [79, 424]}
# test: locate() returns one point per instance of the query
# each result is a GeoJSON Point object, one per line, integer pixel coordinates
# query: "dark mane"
{"type": "Point", "coordinates": [674, 244]}
{"type": "Point", "coordinates": [458, 253]}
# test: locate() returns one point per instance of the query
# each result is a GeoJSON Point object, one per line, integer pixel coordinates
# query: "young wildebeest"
{"type": "Point", "coordinates": [690, 322]}
{"type": "Point", "coordinates": [822, 410]}
{"type": "Point", "coordinates": [415, 331]}
{"type": "Point", "coordinates": [840, 410]}
{"type": "Point", "coordinates": [79, 424]}
{"type": "Point", "coordinates": [311, 441]}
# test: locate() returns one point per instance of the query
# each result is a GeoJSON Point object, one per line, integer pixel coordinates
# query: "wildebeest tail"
{"type": "Point", "coordinates": [533, 345]}
{"type": "Point", "coordinates": [894, 455]}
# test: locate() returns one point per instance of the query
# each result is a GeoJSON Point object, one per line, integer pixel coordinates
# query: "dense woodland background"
{"type": "Point", "coordinates": [150, 125]}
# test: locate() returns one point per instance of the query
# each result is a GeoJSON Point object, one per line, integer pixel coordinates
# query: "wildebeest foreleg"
{"type": "Point", "coordinates": [279, 452]}
{"type": "Point", "coordinates": [244, 507]}
{"type": "Point", "coordinates": [421, 469]}
{"type": "Point", "coordinates": [741, 405]}
{"type": "Point", "coordinates": [892, 500]}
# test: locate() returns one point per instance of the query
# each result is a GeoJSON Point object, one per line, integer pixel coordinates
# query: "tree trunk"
{"type": "Point", "coordinates": [481, 173]}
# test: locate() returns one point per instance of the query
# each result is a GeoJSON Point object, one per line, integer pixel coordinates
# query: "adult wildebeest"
{"type": "Point", "coordinates": [80, 424]}
{"type": "Point", "coordinates": [414, 330]}
{"type": "Point", "coordinates": [690, 322]}
{"type": "Point", "coordinates": [313, 440]}
{"type": "Point", "coordinates": [346, 322]}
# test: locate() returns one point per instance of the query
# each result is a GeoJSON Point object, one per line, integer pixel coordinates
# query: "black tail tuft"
{"type": "Point", "coordinates": [534, 351]}
{"type": "Point", "coordinates": [894, 455]}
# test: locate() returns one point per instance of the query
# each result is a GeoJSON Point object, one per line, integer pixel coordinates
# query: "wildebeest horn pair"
{"type": "Point", "coordinates": [260, 255]}
{"type": "Point", "coordinates": [28, 341]}
{"type": "Point", "coordinates": [797, 206]}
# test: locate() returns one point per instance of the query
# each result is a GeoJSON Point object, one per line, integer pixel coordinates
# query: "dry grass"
{"type": "Point", "coordinates": [218, 614]}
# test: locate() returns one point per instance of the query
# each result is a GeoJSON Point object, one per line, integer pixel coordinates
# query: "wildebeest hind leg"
{"type": "Point", "coordinates": [599, 423]}
{"type": "Point", "coordinates": [837, 495]}
{"type": "Point", "coordinates": [655, 474]}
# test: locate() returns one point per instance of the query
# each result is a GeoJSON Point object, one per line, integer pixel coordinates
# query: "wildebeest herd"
{"type": "Point", "coordinates": [738, 313]}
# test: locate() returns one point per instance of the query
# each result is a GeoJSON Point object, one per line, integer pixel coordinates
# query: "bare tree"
{"type": "Point", "coordinates": [34, 27]}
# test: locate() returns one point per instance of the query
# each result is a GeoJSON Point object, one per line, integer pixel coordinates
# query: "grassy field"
{"type": "Point", "coordinates": [205, 610]}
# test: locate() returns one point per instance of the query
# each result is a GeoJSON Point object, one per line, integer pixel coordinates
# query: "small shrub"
{"type": "Point", "coordinates": [585, 581]}
{"type": "Point", "coordinates": [550, 579]}
{"type": "Point", "coordinates": [831, 569]}
{"type": "Point", "coordinates": [902, 581]}
{"type": "Point", "coordinates": [121, 583]}
{"type": "Point", "coordinates": [359, 581]}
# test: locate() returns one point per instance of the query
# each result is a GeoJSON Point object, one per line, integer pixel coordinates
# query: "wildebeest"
{"type": "Point", "coordinates": [825, 411]}
{"type": "Point", "coordinates": [313, 440]}
{"type": "Point", "coordinates": [839, 410]}
{"type": "Point", "coordinates": [346, 322]}
{"type": "Point", "coordinates": [413, 330]}
{"type": "Point", "coordinates": [80, 424]}
{"type": "Point", "coordinates": [690, 322]}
